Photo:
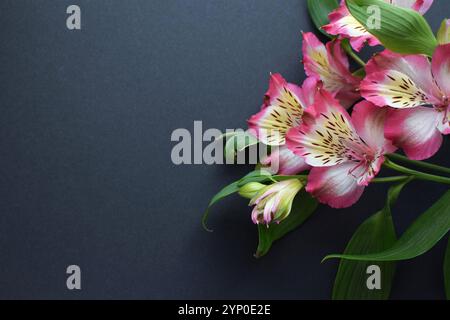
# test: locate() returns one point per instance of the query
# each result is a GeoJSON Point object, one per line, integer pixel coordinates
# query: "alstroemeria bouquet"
{"type": "Point", "coordinates": [332, 136]}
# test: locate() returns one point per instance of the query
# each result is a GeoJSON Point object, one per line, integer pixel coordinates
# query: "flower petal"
{"type": "Point", "coordinates": [282, 110]}
{"type": "Point", "coordinates": [329, 64]}
{"type": "Point", "coordinates": [421, 6]}
{"type": "Point", "coordinates": [335, 186]}
{"type": "Point", "coordinates": [343, 24]}
{"type": "Point", "coordinates": [273, 203]}
{"type": "Point", "coordinates": [415, 67]}
{"type": "Point", "coordinates": [414, 130]}
{"type": "Point", "coordinates": [369, 121]}
{"type": "Point", "coordinates": [309, 88]}
{"type": "Point", "coordinates": [441, 68]}
{"type": "Point", "coordinates": [286, 161]}
{"type": "Point", "coordinates": [394, 89]}
{"type": "Point", "coordinates": [315, 56]}
{"type": "Point", "coordinates": [327, 140]}
{"type": "Point", "coordinates": [444, 121]}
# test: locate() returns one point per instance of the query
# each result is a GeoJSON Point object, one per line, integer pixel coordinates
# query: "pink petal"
{"type": "Point", "coordinates": [358, 43]}
{"type": "Point", "coordinates": [422, 6]}
{"type": "Point", "coordinates": [415, 67]}
{"type": "Point", "coordinates": [330, 65]}
{"type": "Point", "coordinates": [394, 89]}
{"type": "Point", "coordinates": [309, 89]}
{"type": "Point", "coordinates": [339, 59]}
{"type": "Point", "coordinates": [348, 98]}
{"type": "Point", "coordinates": [315, 56]}
{"type": "Point", "coordinates": [414, 130]}
{"type": "Point", "coordinates": [286, 161]}
{"type": "Point", "coordinates": [348, 85]}
{"type": "Point", "coordinates": [277, 86]}
{"type": "Point", "coordinates": [343, 24]}
{"type": "Point", "coordinates": [334, 185]}
{"type": "Point", "coordinates": [441, 68]}
{"type": "Point", "coordinates": [369, 121]}
{"type": "Point", "coordinates": [282, 110]}
{"type": "Point", "coordinates": [444, 121]}
{"type": "Point", "coordinates": [321, 141]}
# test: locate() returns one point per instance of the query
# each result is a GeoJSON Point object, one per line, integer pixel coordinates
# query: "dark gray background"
{"type": "Point", "coordinates": [86, 175]}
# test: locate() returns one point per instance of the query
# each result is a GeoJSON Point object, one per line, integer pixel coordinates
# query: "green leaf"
{"type": "Point", "coordinates": [302, 208]}
{"type": "Point", "coordinates": [447, 271]}
{"type": "Point", "coordinates": [376, 234]}
{"type": "Point", "coordinates": [254, 176]}
{"type": "Point", "coordinates": [225, 192]}
{"type": "Point", "coordinates": [319, 11]}
{"type": "Point", "coordinates": [259, 175]}
{"type": "Point", "coordinates": [238, 141]}
{"type": "Point", "coordinates": [400, 30]}
{"type": "Point", "coordinates": [420, 237]}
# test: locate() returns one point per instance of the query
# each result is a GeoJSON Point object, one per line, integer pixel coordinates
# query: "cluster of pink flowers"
{"type": "Point", "coordinates": [402, 102]}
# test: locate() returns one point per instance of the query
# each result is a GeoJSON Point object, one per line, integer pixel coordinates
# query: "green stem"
{"type": "Point", "coordinates": [278, 178]}
{"type": "Point", "coordinates": [390, 179]}
{"type": "Point", "coordinates": [422, 164]}
{"type": "Point", "coordinates": [419, 175]}
{"type": "Point", "coordinates": [354, 56]}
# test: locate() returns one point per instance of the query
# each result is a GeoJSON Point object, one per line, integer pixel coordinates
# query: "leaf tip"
{"type": "Point", "coordinates": [205, 227]}
{"type": "Point", "coordinates": [259, 254]}
{"type": "Point", "coordinates": [204, 222]}
{"type": "Point", "coordinates": [331, 256]}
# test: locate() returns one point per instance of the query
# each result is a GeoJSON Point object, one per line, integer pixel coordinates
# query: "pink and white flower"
{"type": "Point", "coordinates": [283, 108]}
{"type": "Point", "coordinates": [343, 24]}
{"type": "Point", "coordinates": [273, 203]}
{"type": "Point", "coordinates": [420, 93]}
{"type": "Point", "coordinates": [346, 153]}
{"type": "Point", "coordinates": [330, 65]}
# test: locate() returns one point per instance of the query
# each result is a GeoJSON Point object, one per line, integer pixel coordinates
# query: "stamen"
{"type": "Point", "coordinates": [445, 119]}
{"type": "Point", "coordinates": [350, 172]}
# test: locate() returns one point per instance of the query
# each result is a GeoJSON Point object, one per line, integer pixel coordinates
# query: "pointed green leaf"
{"type": "Point", "coordinates": [254, 176]}
{"type": "Point", "coordinates": [447, 271]}
{"type": "Point", "coordinates": [319, 11]}
{"type": "Point", "coordinates": [225, 192]}
{"type": "Point", "coordinates": [237, 142]}
{"type": "Point", "coordinates": [400, 30]}
{"type": "Point", "coordinates": [302, 208]}
{"type": "Point", "coordinates": [376, 234]}
{"type": "Point", "coordinates": [418, 239]}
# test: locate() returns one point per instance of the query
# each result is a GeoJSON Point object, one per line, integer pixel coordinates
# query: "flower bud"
{"type": "Point", "coordinates": [250, 189]}
{"type": "Point", "coordinates": [273, 203]}
{"type": "Point", "coordinates": [443, 35]}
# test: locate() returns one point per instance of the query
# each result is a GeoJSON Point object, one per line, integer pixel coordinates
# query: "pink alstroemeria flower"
{"type": "Point", "coordinates": [283, 109]}
{"type": "Point", "coordinates": [420, 91]}
{"type": "Point", "coordinates": [343, 24]}
{"type": "Point", "coordinates": [346, 153]}
{"type": "Point", "coordinates": [330, 65]}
